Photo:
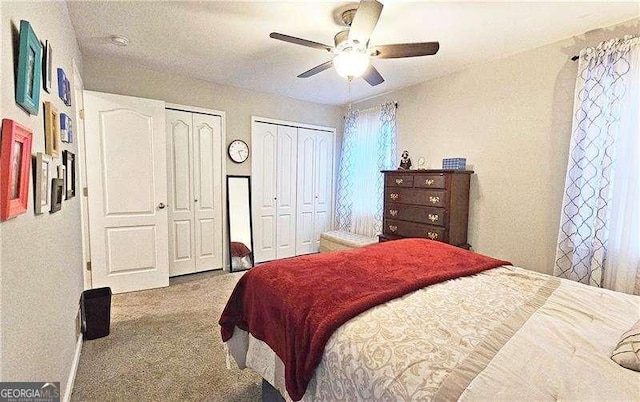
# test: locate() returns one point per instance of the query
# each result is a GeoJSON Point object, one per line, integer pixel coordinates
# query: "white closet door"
{"type": "Point", "coordinates": [307, 162]}
{"type": "Point", "coordinates": [263, 190]}
{"type": "Point", "coordinates": [181, 225]}
{"type": "Point", "coordinates": [286, 191]}
{"type": "Point", "coordinates": [127, 185]}
{"type": "Point", "coordinates": [207, 133]}
{"type": "Point", "coordinates": [323, 185]}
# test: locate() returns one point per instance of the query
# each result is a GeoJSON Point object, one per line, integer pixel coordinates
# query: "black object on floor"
{"type": "Point", "coordinates": [269, 393]}
{"type": "Point", "coordinates": [95, 307]}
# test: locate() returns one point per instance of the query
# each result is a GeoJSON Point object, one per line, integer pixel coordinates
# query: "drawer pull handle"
{"type": "Point", "coordinates": [432, 235]}
{"type": "Point", "coordinates": [394, 196]}
{"type": "Point", "coordinates": [428, 182]}
{"type": "Point", "coordinates": [393, 228]}
{"type": "Point", "coordinates": [433, 217]}
{"type": "Point", "coordinates": [399, 181]}
{"type": "Point", "coordinates": [393, 212]}
{"type": "Point", "coordinates": [434, 200]}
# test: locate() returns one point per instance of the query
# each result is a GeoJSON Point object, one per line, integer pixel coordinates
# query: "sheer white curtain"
{"type": "Point", "coordinates": [622, 264]}
{"type": "Point", "coordinates": [599, 236]}
{"type": "Point", "coordinates": [368, 146]}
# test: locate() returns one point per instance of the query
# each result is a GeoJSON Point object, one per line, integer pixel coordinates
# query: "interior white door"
{"type": "Point", "coordinates": [323, 186]}
{"type": "Point", "coordinates": [286, 198]}
{"type": "Point", "coordinates": [207, 162]}
{"type": "Point", "coordinates": [306, 191]}
{"type": "Point", "coordinates": [264, 139]}
{"type": "Point", "coordinates": [126, 177]}
{"type": "Point", "coordinates": [181, 215]}
{"type": "Point", "coordinates": [195, 186]}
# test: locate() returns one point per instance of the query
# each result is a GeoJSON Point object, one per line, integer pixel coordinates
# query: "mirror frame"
{"type": "Point", "coordinates": [253, 263]}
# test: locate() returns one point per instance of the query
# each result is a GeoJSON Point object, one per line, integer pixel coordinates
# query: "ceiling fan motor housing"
{"type": "Point", "coordinates": [347, 16]}
{"type": "Point", "coordinates": [340, 38]}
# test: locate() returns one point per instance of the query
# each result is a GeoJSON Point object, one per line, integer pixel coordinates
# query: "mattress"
{"type": "Point", "coordinates": [340, 240]}
{"type": "Point", "coordinates": [503, 334]}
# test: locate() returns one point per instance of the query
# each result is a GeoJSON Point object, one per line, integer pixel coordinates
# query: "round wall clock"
{"type": "Point", "coordinates": [238, 151]}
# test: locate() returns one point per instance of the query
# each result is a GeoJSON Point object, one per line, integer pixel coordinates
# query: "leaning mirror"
{"type": "Point", "coordinates": [239, 223]}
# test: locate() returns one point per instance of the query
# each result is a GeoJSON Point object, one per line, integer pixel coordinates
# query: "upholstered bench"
{"type": "Point", "coordinates": [339, 240]}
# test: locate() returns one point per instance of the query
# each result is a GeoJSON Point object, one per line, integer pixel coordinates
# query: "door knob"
{"type": "Point", "coordinates": [196, 200]}
{"type": "Point", "coordinates": [161, 205]}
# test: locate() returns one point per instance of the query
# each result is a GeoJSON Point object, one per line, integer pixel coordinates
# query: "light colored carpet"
{"type": "Point", "coordinates": [165, 345]}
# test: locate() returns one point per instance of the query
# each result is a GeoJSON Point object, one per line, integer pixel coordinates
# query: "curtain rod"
{"type": "Point", "coordinates": [395, 103]}
{"type": "Point", "coordinates": [625, 38]}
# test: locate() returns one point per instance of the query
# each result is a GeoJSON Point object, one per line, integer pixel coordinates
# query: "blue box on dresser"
{"type": "Point", "coordinates": [454, 163]}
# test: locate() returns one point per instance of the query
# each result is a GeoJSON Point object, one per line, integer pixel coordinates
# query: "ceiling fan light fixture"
{"type": "Point", "coordinates": [351, 64]}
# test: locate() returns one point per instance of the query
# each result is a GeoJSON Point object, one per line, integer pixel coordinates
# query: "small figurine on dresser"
{"type": "Point", "coordinates": [405, 162]}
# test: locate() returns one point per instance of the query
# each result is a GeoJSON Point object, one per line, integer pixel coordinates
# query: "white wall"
{"type": "Point", "coordinates": [41, 277]}
{"type": "Point", "coordinates": [122, 77]}
{"type": "Point", "coordinates": [511, 118]}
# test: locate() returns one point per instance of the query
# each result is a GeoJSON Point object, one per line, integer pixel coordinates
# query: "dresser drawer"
{"type": "Point", "coordinates": [411, 229]}
{"type": "Point", "coordinates": [428, 215]}
{"type": "Point", "coordinates": [398, 180]}
{"type": "Point", "coordinates": [429, 181]}
{"type": "Point", "coordinates": [416, 196]}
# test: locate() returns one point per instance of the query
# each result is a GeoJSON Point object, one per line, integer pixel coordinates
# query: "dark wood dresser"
{"type": "Point", "coordinates": [433, 204]}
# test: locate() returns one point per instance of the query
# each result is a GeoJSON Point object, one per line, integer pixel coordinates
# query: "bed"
{"type": "Point", "coordinates": [497, 333]}
{"type": "Point", "coordinates": [241, 257]}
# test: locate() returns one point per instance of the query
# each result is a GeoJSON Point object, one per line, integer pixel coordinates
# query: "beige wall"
{"type": "Point", "coordinates": [41, 275]}
{"type": "Point", "coordinates": [120, 77]}
{"type": "Point", "coordinates": [511, 119]}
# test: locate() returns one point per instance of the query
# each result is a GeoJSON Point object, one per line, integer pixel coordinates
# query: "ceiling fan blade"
{"type": "Point", "coordinates": [372, 76]}
{"type": "Point", "coordinates": [299, 41]}
{"type": "Point", "coordinates": [316, 69]}
{"type": "Point", "coordinates": [365, 20]}
{"type": "Point", "coordinates": [405, 50]}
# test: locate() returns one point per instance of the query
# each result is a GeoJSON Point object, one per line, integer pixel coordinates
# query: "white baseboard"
{"type": "Point", "coordinates": [73, 371]}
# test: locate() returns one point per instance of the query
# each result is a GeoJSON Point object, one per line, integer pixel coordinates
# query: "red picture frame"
{"type": "Point", "coordinates": [15, 164]}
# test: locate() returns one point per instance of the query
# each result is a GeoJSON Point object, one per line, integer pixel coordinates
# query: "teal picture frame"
{"type": "Point", "coordinates": [29, 74]}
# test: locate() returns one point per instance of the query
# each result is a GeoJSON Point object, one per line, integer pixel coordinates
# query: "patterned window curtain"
{"type": "Point", "coordinates": [599, 236]}
{"type": "Point", "coordinates": [368, 146]}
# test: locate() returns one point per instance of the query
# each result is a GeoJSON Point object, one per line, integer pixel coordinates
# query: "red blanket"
{"type": "Point", "coordinates": [295, 305]}
{"type": "Point", "coordinates": [239, 249]}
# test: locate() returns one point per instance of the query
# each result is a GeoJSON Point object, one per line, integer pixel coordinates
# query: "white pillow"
{"type": "Point", "coordinates": [627, 353]}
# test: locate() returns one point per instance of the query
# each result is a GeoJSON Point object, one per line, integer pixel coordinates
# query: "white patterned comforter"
{"type": "Point", "coordinates": [504, 334]}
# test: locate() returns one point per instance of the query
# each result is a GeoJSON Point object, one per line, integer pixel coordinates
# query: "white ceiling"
{"type": "Point", "coordinates": [228, 42]}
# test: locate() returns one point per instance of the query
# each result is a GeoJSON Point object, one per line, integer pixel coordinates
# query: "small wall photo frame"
{"type": "Point", "coordinates": [64, 87]}
{"type": "Point", "coordinates": [66, 134]}
{"type": "Point", "coordinates": [15, 162]}
{"type": "Point", "coordinates": [62, 175]}
{"type": "Point", "coordinates": [57, 193]}
{"type": "Point", "coordinates": [69, 162]}
{"type": "Point", "coordinates": [42, 165]}
{"type": "Point", "coordinates": [47, 67]}
{"type": "Point", "coordinates": [51, 130]}
{"type": "Point", "coordinates": [29, 71]}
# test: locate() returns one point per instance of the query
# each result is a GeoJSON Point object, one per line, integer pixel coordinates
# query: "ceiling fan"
{"type": "Point", "coordinates": [352, 50]}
